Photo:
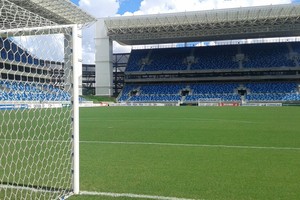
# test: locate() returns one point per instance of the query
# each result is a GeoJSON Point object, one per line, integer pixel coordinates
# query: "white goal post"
{"type": "Point", "coordinates": [39, 106]}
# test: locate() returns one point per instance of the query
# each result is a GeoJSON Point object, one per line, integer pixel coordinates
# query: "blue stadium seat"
{"type": "Point", "coordinates": [3, 54]}
{"type": "Point", "coordinates": [215, 57]}
{"type": "Point", "coordinates": [21, 91]}
{"type": "Point", "coordinates": [267, 55]}
{"type": "Point", "coordinates": [152, 93]}
{"type": "Point", "coordinates": [272, 91]}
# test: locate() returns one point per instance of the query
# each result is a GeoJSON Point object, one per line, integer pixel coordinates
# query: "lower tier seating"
{"type": "Point", "coordinates": [21, 91]}
{"type": "Point", "coordinates": [195, 92]}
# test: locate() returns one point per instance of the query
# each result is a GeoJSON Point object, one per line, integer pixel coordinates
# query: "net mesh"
{"type": "Point", "coordinates": [35, 107]}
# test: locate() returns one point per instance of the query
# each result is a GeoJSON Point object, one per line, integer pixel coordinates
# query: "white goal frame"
{"type": "Point", "coordinates": [74, 85]}
{"type": "Point", "coordinates": [40, 78]}
{"type": "Point", "coordinates": [76, 62]}
{"type": "Point", "coordinates": [76, 66]}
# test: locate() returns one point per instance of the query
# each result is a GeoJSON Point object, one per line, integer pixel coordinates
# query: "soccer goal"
{"type": "Point", "coordinates": [209, 101]}
{"type": "Point", "coordinates": [39, 63]}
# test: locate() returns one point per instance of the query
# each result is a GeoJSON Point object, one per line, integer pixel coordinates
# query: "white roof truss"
{"type": "Point", "coordinates": [235, 23]}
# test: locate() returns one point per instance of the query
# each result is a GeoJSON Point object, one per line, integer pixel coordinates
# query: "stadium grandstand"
{"type": "Point", "coordinates": [25, 77]}
{"type": "Point", "coordinates": [254, 57]}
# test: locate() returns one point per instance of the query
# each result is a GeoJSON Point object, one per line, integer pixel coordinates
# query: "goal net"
{"type": "Point", "coordinates": [209, 101]}
{"type": "Point", "coordinates": [38, 106]}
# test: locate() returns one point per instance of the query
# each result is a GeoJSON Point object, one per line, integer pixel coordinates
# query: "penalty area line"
{"type": "Point", "coordinates": [193, 145]}
{"type": "Point", "coordinates": [129, 195]}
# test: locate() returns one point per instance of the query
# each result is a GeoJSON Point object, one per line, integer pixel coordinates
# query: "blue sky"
{"type": "Point", "coordinates": [130, 6]}
{"type": "Point", "coordinates": [125, 5]}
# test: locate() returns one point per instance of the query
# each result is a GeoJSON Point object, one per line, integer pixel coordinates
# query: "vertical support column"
{"type": "Point", "coordinates": [76, 61]}
{"type": "Point", "coordinates": [103, 60]}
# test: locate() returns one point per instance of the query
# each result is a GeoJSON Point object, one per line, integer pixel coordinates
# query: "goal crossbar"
{"type": "Point", "coordinates": [35, 30]}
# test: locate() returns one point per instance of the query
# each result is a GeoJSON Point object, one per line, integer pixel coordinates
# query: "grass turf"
{"type": "Point", "coordinates": [210, 173]}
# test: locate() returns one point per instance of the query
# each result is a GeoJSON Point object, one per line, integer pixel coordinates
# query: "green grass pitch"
{"type": "Point", "coordinates": [209, 153]}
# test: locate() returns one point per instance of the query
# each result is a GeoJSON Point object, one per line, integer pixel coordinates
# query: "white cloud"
{"type": "Point", "coordinates": [121, 48]}
{"type": "Point", "coordinates": [100, 8]}
{"type": "Point", "coordinates": [97, 8]}
{"type": "Point", "coordinates": [47, 47]}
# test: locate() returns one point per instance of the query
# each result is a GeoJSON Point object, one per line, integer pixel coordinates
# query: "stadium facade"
{"type": "Point", "coordinates": [195, 71]}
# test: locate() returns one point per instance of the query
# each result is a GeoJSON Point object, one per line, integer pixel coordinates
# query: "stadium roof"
{"type": "Point", "coordinates": [223, 24]}
{"type": "Point", "coordinates": [37, 13]}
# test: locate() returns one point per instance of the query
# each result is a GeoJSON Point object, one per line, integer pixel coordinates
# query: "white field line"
{"type": "Point", "coordinates": [140, 196]}
{"type": "Point", "coordinates": [176, 119]}
{"type": "Point", "coordinates": [192, 145]}
{"type": "Point", "coordinates": [163, 144]}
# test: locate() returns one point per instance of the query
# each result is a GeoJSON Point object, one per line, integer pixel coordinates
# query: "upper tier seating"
{"type": "Point", "coordinates": [12, 52]}
{"type": "Point", "coordinates": [158, 59]}
{"type": "Point", "coordinates": [267, 55]}
{"type": "Point", "coordinates": [136, 59]}
{"type": "Point", "coordinates": [170, 59]}
{"type": "Point", "coordinates": [215, 57]}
